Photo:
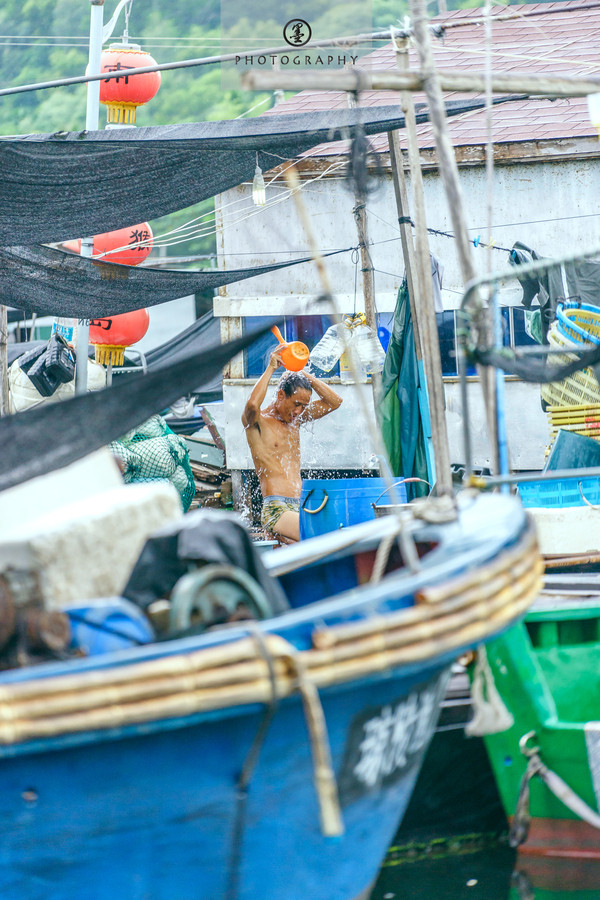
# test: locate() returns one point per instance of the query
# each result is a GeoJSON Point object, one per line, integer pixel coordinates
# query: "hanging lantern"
{"type": "Point", "coordinates": [137, 241]}
{"type": "Point", "coordinates": [122, 95]}
{"type": "Point", "coordinates": [112, 334]}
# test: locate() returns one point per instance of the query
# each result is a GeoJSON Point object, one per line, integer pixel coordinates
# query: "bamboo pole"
{"type": "Point", "coordinates": [325, 668]}
{"type": "Point", "coordinates": [406, 235]}
{"type": "Point", "coordinates": [360, 217]}
{"type": "Point", "coordinates": [235, 674]}
{"type": "Point", "coordinates": [366, 267]}
{"type": "Point", "coordinates": [3, 361]}
{"type": "Point", "coordinates": [532, 84]}
{"type": "Point", "coordinates": [438, 600]}
{"type": "Point", "coordinates": [492, 599]}
{"type": "Point", "coordinates": [424, 303]}
{"type": "Point", "coordinates": [406, 543]}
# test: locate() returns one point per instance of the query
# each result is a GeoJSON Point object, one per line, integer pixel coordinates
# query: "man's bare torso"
{"type": "Point", "coordinates": [275, 449]}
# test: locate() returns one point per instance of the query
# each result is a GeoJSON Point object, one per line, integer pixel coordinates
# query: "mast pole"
{"type": "Point", "coordinates": [92, 117]}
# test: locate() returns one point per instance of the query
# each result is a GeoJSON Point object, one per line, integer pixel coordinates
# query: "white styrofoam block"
{"type": "Point", "coordinates": [22, 505]}
{"type": "Point", "coordinates": [87, 547]}
{"type": "Point", "coordinates": [569, 529]}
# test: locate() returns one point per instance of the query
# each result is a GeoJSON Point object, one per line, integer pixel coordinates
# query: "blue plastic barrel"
{"type": "Point", "coordinates": [327, 504]}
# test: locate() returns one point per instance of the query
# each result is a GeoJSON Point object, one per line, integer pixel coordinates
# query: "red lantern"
{"type": "Point", "coordinates": [122, 95]}
{"type": "Point", "coordinates": [112, 334]}
{"type": "Point", "coordinates": [137, 240]}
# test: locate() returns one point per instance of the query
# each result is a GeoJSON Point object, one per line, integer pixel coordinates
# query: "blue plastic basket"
{"type": "Point", "coordinates": [579, 323]}
{"type": "Point", "coordinates": [560, 493]}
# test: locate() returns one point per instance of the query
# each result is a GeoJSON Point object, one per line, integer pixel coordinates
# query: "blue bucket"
{"type": "Point", "coordinates": [327, 504]}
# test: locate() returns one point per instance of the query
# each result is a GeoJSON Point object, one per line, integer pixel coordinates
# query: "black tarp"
{"type": "Point", "coordinates": [204, 536]}
{"type": "Point", "coordinates": [204, 332]}
{"type": "Point", "coordinates": [52, 282]}
{"type": "Point", "coordinates": [55, 187]}
{"type": "Point", "coordinates": [50, 436]}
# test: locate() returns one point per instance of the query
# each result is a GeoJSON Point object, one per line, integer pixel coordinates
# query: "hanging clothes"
{"type": "Point", "coordinates": [437, 276]}
{"type": "Point", "coordinates": [576, 281]}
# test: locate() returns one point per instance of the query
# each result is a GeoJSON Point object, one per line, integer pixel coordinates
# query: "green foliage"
{"type": "Point", "coordinates": [389, 12]}
{"type": "Point", "coordinates": [173, 30]}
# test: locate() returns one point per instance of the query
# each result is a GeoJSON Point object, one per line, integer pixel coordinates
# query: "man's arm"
{"type": "Point", "coordinates": [328, 400]}
{"type": "Point", "coordinates": [259, 391]}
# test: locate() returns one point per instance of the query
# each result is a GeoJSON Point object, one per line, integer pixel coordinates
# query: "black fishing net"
{"type": "Point", "coordinates": [51, 282]}
{"type": "Point", "coordinates": [54, 187]}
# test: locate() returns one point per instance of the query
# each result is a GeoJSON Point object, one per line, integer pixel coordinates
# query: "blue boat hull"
{"type": "Point", "coordinates": [196, 769]}
{"type": "Point", "coordinates": [162, 818]}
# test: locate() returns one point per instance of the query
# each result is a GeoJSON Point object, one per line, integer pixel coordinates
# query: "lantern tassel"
{"type": "Point", "coordinates": [107, 354]}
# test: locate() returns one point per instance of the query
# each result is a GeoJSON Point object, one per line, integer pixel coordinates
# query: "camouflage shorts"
{"type": "Point", "coordinates": [274, 507]}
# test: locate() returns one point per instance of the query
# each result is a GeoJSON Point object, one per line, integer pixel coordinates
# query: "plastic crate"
{"type": "Point", "coordinates": [559, 493]}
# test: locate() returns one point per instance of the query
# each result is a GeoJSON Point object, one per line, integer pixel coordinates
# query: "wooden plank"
{"type": "Point", "coordinates": [353, 79]}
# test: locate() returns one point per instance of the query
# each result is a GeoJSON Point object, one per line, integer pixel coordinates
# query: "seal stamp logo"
{"type": "Point", "coordinates": [297, 32]}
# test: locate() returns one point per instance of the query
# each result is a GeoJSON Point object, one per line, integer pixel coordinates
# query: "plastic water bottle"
{"type": "Point", "coordinates": [369, 349]}
{"type": "Point", "coordinates": [329, 349]}
{"type": "Point", "coordinates": [347, 375]}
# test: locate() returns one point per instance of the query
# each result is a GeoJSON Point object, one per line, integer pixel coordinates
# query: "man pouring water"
{"type": "Point", "coordinates": [273, 435]}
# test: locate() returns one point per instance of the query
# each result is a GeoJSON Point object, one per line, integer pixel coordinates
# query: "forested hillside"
{"type": "Point", "coordinates": [42, 40]}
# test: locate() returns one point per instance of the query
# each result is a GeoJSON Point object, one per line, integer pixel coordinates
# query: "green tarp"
{"type": "Point", "coordinates": [400, 416]}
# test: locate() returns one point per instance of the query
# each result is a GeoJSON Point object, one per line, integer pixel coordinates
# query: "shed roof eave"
{"type": "Point", "coordinates": [508, 152]}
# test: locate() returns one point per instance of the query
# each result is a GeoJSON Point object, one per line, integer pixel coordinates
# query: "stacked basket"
{"type": "Point", "coordinates": [574, 403]}
{"type": "Point", "coordinates": [584, 419]}
{"type": "Point", "coordinates": [575, 326]}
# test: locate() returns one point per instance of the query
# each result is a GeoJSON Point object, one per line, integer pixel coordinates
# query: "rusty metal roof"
{"type": "Point", "coordinates": [563, 40]}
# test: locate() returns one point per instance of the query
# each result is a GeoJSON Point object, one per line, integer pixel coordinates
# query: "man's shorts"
{"type": "Point", "coordinates": [274, 507]}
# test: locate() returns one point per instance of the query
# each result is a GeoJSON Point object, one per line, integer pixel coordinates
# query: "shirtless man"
{"type": "Point", "coordinates": [274, 440]}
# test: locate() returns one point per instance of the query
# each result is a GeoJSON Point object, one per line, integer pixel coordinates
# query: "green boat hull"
{"type": "Point", "coordinates": [547, 672]}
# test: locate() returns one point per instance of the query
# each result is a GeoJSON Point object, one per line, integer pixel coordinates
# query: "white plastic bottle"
{"type": "Point", "coordinates": [368, 347]}
{"type": "Point", "coordinates": [329, 349]}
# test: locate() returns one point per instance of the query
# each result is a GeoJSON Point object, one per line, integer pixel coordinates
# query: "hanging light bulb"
{"type": "Point", "coordinates": [258, 186]}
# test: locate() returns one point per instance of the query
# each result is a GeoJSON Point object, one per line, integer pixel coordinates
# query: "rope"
{"type": "Point", "coordinates": [561, 790]}
{"type": "Point", "coordinates": [519, 828]}
{"type": "Point", "coordinates": [324, 778]}
{"type": "Point", "coordinates": [382, 556]}
{"type": "Point", "coordinates": [490, 714]}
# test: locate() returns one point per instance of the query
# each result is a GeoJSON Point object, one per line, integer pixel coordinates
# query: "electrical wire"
{"type": "Point", "coordinates": [503, 54]}
{"type": "Point", "coordinates": [250, 210]}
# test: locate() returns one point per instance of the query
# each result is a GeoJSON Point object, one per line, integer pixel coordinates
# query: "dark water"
{"type": "Point", "coordinates": [463, 875]}
{"type": "Point", "coordinates": [495, 873]}
{"type": "Point", "coordinates": [452, 844]}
